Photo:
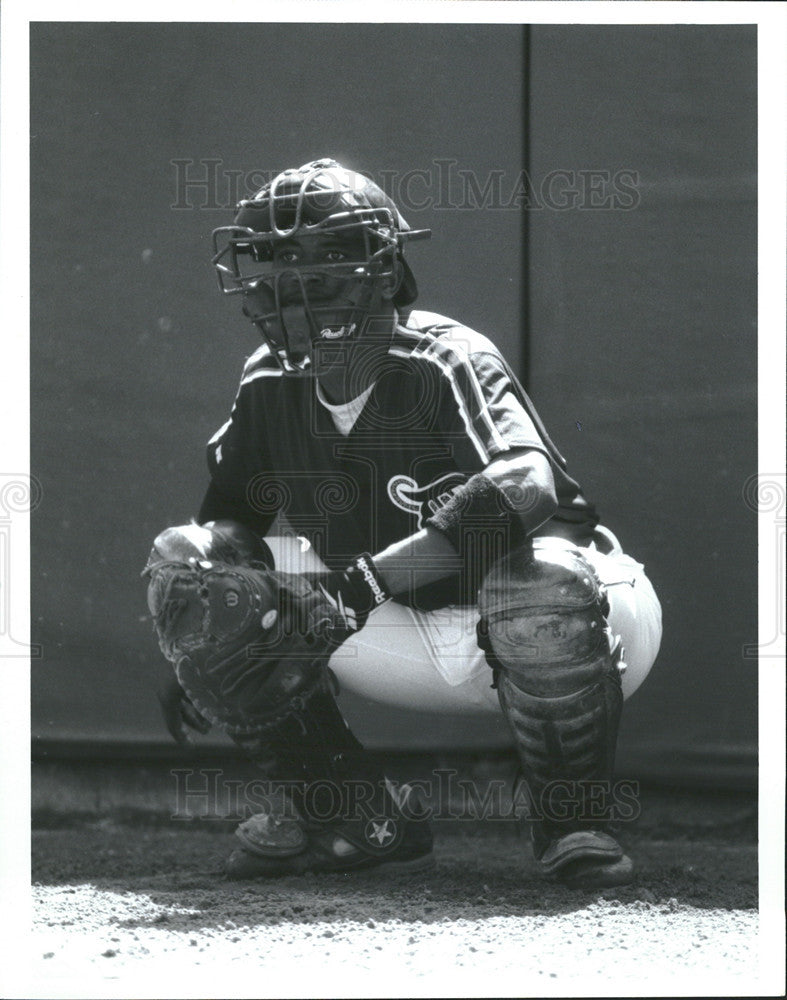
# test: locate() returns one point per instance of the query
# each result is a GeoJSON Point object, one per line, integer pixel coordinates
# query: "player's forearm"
{"type": "Point", "coordinates": [491, 513]}
{"type": "Point", "coordinates": [526, 486]}
{"type": "Point", "coordinates": [419, 559]}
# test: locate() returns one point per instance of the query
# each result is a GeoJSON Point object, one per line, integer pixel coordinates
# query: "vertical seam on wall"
{"type": "Point", "coordinates": [524, 294]}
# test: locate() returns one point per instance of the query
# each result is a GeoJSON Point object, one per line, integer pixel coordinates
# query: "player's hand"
{"type": "Point", "coordinates": [180, 715]}
{"type": "Point", "coordinates": [352, 594]}
{"type": "Point", "coordinates": [245, 642]}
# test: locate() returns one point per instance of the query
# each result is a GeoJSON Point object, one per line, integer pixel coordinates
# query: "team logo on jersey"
{"type": "Point", "coordinates": [407, 495]}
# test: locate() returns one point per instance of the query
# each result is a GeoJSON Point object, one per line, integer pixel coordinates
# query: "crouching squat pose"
{"type": "Point", "coordinates": [436, 554]}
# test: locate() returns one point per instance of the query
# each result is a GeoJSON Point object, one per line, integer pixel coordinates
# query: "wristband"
{"type": "Point", "coordinates": [479, 508]}
{"type": "Point", "coordinates": [355, 592]}
{"type": "Point", "coordinates": [364, 578]}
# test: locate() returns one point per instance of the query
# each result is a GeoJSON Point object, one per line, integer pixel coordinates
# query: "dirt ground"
{"type": "Point", "coordinates": [143, 910]}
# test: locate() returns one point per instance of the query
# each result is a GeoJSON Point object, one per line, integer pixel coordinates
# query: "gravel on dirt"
{"type": "Point", "coordinates": [138, 911]}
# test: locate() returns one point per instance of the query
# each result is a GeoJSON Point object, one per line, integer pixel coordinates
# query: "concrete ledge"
{"type": "Point", "coordinates": [210, 791]}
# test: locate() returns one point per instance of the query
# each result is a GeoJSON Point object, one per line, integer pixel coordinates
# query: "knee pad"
{"type": "Point", "coordinates": [542, 611]}
{"type": "Point", "coordinates": [545, 634]}
{"type": "Point", "coordinates": [227, 542]}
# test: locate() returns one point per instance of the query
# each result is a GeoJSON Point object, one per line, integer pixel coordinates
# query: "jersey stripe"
{"type": "Point", "coordinates": [460, 400]}
{"type": "Point", "coordinates": [437, 345]}
{"type": "Point", "coordinates": [262, 373]}
{"type": "Point", "coordinates": [222, 430]}
{"type": "Point", "coordinates": [262, 353]}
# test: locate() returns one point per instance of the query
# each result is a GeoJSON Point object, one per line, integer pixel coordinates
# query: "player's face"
{"type": "Point", "coordinates": [314, 296]}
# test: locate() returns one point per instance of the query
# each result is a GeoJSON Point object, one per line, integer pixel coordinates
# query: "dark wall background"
{"type": "Point", "coordinates": [136, 356]}
{"type": "Point", "coordinates": [643, 332]}
{"type": "Point", "coordinates": [641, 321]}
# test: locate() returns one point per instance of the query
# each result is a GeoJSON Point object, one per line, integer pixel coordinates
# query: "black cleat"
{"type": "Point", "coordinates": [582, 859]}
{"type": "Point", "coordinates": [281, 843]}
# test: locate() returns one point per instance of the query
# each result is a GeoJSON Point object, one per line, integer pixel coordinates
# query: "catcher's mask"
{"type": "Point", "coordinates": [313, 251]}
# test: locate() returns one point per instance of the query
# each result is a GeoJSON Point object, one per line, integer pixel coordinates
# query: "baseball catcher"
{"type": "Point", "coordinates": [387, 513]}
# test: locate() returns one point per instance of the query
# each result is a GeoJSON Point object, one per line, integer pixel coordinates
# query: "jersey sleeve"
{"type": "Point", "coordinates": [484, 411]}
{"type": "Point", "coordinates": [234, 460]}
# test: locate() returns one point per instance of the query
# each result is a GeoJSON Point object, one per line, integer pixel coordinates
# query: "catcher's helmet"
{"type": "Point", "coordinates": [319, 200]}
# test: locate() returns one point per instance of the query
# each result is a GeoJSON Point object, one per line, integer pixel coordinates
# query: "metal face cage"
{"type": "Point", "coordinates": [319, 200]}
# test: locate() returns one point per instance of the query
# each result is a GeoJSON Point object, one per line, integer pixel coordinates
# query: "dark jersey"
{"type": "Point", "coordinates": [444, 404]}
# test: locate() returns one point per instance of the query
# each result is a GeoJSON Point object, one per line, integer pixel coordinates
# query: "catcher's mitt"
{"type": "Point", "coordinates": [249, 645]}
